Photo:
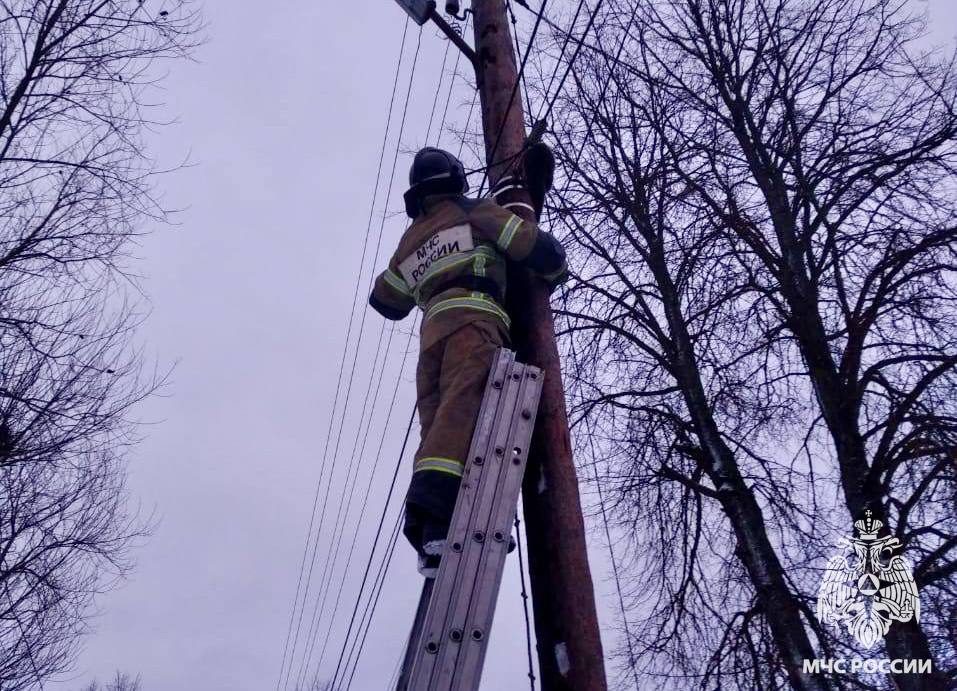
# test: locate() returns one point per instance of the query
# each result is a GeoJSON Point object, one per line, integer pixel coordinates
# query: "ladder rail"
{"type": "Point", "coordinates": [453, 633]}
{"type": "Point", "coordinates": [480, 441]}
{"type": "Point", "coordinates": [459, 562]}
{"type": "Point", "coordinates": [448, 650]}
{"type": "Point", "coordinates": [482, 607]}
{"type": "Point", "coordinates": [415, 635]}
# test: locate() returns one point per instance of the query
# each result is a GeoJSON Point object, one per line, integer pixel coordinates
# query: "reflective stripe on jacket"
{"type": "Point", "coordinates": [451, 263]}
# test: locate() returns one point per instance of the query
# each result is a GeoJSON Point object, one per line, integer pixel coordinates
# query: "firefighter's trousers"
{"type": "Point", "coordinates": [450, 383]}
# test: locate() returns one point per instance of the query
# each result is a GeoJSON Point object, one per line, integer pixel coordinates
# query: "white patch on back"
{"type": "Point", "coordinates": [443, 244]}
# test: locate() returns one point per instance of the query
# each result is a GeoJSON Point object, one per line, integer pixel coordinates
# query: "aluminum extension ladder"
{"type": "Point", "coordinates": [450, 634]}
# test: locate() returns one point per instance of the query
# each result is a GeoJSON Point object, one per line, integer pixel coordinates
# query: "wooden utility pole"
{"type": "Point", "coordinates": [566, 622]}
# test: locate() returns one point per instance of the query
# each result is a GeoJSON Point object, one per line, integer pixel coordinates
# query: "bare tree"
{"type": "Point", "coordinates": [836, 169]}
{"type": "Point", "coordinates": [316, 684]}
{"type": "Point", "coordinates": [657, 390]}
{"type": "Point", "coordinates": [74, 188]}
{"type": "Point", "coordinates": [762, 197]}
{"type": "Point", "coordinates": [120, 682]}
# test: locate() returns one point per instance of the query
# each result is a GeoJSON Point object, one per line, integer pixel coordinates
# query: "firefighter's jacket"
{"type": "Point", "coordinates": [451, 263]}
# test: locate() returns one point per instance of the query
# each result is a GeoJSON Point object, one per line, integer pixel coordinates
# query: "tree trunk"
{"type": "Point", "coordinates": [838, 400]}
{"type": "Point", "coordinates": [778, 604]}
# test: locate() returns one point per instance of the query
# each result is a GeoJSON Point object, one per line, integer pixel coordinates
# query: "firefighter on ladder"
{"type": "Point", "coordinates": [451, 263]}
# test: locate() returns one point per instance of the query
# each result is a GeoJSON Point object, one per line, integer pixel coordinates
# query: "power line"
{"type": "Point", "coordinates": [511, 98]}
{"type": "Point", "coordinates": [335, 455]}
{"type": "Point", "coordinates": [438, 88]}
{"type": "Point", "coordinates": [364, 503]}
{"type": "Point", "coordinates": [524, 594]}
{"type": "Point", "coordinates": [395, 391]}
{"type": "Point", "coordinates": [371, 604]}
{"type": "Point", "coordinates": [580, 41]}
{"type": "Point", "coordinates": [571, 62]}
{"type": "Point", "coordinates": [611, 554]}
{"type": "Point", "coordinates": [342, 518]}
{"type": "Point", "coordinates": [468, 120]}
{"type": "Point", "coordinates": [395, 672]}
{"type": "Point", "coordinates": [561, 53]}
{"type": "Point", "coordinates": [551, 102]}
{"type": "Point", "coordinates": [590, 435]}
{"type": "Point", "coordinates": [342, 360]}
{"type": "Point", "coordinates": [383, 571]}
{"type": "Point", "coordinates": [591, 121]}
{"type": "Point", "coordinates": [604, 88]}
{"type": "Point", "coordinates": [601, 96]}
{"type": "Point", "coordinates": [340, 535]}
{"type": "Point", "coordinates": [448, 99]}
{"type": "Point", "coordinates": [518, 51]}
{"type": "Point", "coordinates": [377, 585]}
{"type": "Point", "coordinates": [365, 574]}
{"type": "Point", "coordinates": [337, 535]}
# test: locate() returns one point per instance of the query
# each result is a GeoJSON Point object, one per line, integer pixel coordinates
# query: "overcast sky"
{"type": "Point", "coordinates": [282, 117]}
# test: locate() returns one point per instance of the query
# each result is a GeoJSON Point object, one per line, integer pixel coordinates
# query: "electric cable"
{"type": "Point", "coordinates": [561, 53]}
{"type": "Point", "coordinates": [393, 680]}
{"type": "Point", "coordinates": [345, 642]}
{"type": "Point", "coordinates": [364, 502]}
{"type": "Point", "coordinates": [571, 62]}
{"type": "Point", "coordinates": [351, 481]}
{"type": "Point", "coordinates": [338, 534]}
{"type": "Point", "coordinates": [448, 99]}
{"type": "Point", "coordinates": [611, 554]}
{"type": "Point", "coordinates": [360, 594]}
{"type": "Point", "coordinates": [579, 41]}
{"type": "Point", "coordinates": [551, 102]}
{"type": "Point", "coordinates": [467, 123]}
{"type": "Point", "coordinates": [468, 120]}
{"type": "Point", "coordinates": [365, 499]}
{"type": "Point", "coordinates": [336, 677]}
{"type": "Point", "coordinates": [335, 455]}
{"type": "Point", "coordinates": [591, 121]}
{"type": "Point", "coordinates": [342, 361]}
{"type": "Point", "coordinates": [524, 593]}
{"type": "Point", "coordinates": [365, 574]}
{"type": "Point", "coordinates": [383, 570]}
{"type": "Point", "coordinates": [590, 435]}
{"type": "Point", "coordinates": [342, 518]}
{"type": "Point", "coordinates": [374, 602]}
{"type": "Point", "coordinates": [438, 88]}
{"type": "Point", "coordinates": [518, 51]}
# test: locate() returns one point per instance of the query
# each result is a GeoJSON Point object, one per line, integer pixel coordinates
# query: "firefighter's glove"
{"type": "Point", "coordinates": [562, 277]}
{"type": "Point", "coordinates": [550, 261]}
{"type": "Point", "coordinates": [557, 279]}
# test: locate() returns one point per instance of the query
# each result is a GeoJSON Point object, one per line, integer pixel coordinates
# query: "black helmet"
{"type": "Point", "coordinates": [436, 164]}
{"type": "Point", "coordinates": [433, 171]}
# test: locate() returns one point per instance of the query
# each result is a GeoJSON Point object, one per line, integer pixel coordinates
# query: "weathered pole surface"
{"type": "Point", "coordinates": [566, 622]}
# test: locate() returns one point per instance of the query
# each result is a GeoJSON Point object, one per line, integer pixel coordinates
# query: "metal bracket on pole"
{"type": "Point", "coordinates": [454, 37]}
{"type": "Point", "coordinates": [422, 11]}
{"type": "Point", "coordinates": [447, 646]}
